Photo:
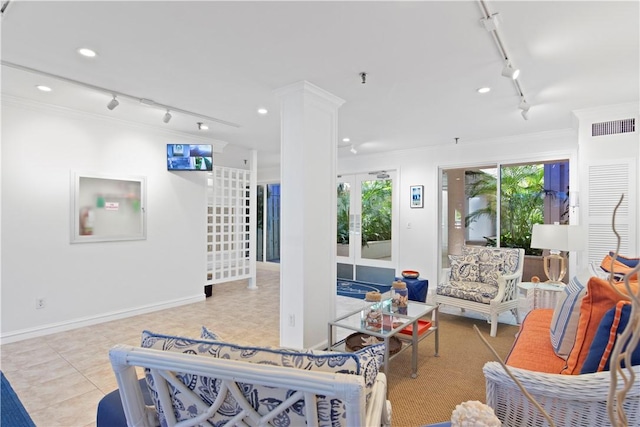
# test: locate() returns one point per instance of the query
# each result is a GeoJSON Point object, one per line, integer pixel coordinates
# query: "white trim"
{"type": "Point", "coordinates": [53, 328]}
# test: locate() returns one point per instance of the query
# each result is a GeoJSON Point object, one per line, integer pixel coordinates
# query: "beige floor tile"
{"type": "Point", "coordinates": [53, 392]}
{"type": "Point", "coordinates": [79, 410]}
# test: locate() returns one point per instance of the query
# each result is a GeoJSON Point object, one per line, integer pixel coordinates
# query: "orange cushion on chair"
{"type": "Point", "coordinates": [600, 298]}
{"type": "Point", "coordinates": [532, 349]}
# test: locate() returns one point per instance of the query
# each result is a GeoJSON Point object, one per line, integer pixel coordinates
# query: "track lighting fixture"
{"type": "Point", "coordinates": [167, 117]}
{"type": "Point", "coordinates": [353, 150]}
{"type": "Point", "coordinates": [509, 71]}
{"type": "Point", "coordinates": [113, 103]}
{"type": "Point", "coordinates": [524, 106]}
{"type": "Point", "coordinates": [202, 126]}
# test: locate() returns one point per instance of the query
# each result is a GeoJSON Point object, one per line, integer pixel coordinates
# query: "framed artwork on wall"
{"type": "Point", "coordinates": [416, 196]}
{"type": "Point", "coordinates": [107, 208]}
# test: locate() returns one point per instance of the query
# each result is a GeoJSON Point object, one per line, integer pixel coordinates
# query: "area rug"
{"type": "Point", "coordinates": [353, 289]}
{"type": "Point", "coordinates": [445, 381]}
{"type": "Point", "coordinates": [12, 413]}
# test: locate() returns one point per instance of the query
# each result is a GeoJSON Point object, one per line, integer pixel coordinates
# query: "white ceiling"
{"type": "Point", "coordinates": [424, 59]}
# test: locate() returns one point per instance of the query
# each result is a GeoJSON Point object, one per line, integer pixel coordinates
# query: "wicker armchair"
{"type": "Point", "coordinates": [485, 280]}
{"type": "Point", "coordinates": [570, 400]}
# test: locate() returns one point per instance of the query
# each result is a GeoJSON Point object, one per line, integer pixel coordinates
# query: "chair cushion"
{"type": "Point", "coordinates": [471, 291]}
{"type": "Point", "coordinates": [612, 324]}
{"type": "Point", "coordinates": [599, 299]}
{"type": "Point", "coordinates": [110, 411]}
{"type": "Point", "coordinates": [564, 323]}
{"type": "Point", "coordinates": [532, 348]}
{"type": "Point", "coordinates": [364, 362]}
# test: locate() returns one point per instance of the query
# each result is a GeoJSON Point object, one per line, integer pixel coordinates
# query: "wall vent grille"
{"type": "Point", "coordinates": [613, 127]}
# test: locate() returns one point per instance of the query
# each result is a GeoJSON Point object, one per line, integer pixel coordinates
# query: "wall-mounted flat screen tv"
{"type": "Point", "coordinates": [189, 157]}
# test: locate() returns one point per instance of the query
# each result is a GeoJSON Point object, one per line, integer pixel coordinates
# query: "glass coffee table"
{"type": "Point", "coordinates": [394, 324]}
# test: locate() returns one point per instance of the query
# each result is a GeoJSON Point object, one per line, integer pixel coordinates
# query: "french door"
{"type": "Point", "coordinates": [367, 220]}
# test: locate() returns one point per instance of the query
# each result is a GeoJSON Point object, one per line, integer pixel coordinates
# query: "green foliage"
{"type": "Point", "coordinates": [522, 201]}
{"type": "Point", "coordinates": [376, 211]}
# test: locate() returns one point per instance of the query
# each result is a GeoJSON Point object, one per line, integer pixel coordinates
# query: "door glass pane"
{"type": "Point", "coordinates": [344, 203]}
{"type": "Point", "coordinates": [260, 223]}
{"type": "Point", "coordinates": [522, 201]}
{"type": "Point", "coordinates": [376, 218]}
{"type": "Point", "coordinates": [273, 223]}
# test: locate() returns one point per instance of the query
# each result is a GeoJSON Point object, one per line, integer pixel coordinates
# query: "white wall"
{"type": "Point", "coordinates": [85, 283]}
{"type": "Point", "coordinates": [418, 248]}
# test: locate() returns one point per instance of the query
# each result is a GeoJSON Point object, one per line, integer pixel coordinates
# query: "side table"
{"type": "Point", "coordinates": [541, 295]}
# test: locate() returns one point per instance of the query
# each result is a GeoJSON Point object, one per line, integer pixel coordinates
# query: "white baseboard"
{"type": "Point", "coordinates": [53, 328]}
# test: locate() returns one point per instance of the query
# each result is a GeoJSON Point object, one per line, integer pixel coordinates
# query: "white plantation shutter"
{"type": "Point", "coordinates": [606, 183]}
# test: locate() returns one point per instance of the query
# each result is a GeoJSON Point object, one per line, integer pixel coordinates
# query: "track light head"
{"type": "Point", "coordinates": [510, 72]}
{"type": "Point", "coordinates": [113, 103]}
{"type": "Point", "coordinates": [202, 126]}
{"type": "Point", "coordinates": [167, 117]}
{"type": "Point", "coordinates": [353, 150]}
{"type": "Point", "coordinates": [525, 114]}
{"type": "Point", "coordinates": [524, 105]}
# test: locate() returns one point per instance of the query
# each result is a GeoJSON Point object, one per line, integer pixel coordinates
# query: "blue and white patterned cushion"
{"type": "Point", "coordinates": [471, 291]}
{"type": "Point", "coordinates": [463, 268]}
{"type": "Point", "coordinates": [208, 335]}
{"type": "Point", "coordinates": [564, 323]}
{"type": "Point", "coordinates": [365, 362]}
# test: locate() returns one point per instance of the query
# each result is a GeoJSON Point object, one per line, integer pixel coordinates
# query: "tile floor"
{"type": "Point", "coordinates": [60, 378]}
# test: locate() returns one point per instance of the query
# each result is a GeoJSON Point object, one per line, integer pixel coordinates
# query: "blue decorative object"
{"type": "Point", "coordinates": [417, 288]}
{"type": "Point", "coordinates": [354, 289]}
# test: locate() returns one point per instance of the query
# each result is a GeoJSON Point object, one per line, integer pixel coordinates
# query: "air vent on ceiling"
{"type": "Point", "coordinates": [613, 127]}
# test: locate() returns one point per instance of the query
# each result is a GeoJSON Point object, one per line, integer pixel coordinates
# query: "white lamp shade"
{"type": "Point", "coordinates": [557, 237]}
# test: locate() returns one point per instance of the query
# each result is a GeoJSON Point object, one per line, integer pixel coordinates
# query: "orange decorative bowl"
{"type": "Point", "coordinates": [410, 274]}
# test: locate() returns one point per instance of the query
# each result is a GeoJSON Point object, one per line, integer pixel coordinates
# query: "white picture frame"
{"type": "Point", "coordinates": [107, 208]}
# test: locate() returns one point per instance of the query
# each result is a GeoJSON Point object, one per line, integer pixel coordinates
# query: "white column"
{"type": "Point", "coordinates": [309, 126]}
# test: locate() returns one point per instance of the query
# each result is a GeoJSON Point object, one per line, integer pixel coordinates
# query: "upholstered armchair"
{"type": "Point", "coordinates": [485, 280]}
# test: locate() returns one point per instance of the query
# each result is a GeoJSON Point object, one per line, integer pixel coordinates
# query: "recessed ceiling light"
{"type": "Point", "coordinates": [484, 90]}
{"type": "Point", "coordinates": [44, 88]}
{"type": "Point", "coordinates": [262, 111]}
{"type": "Point", "coordinates": [346, 139]}
{"type": "Point", "coordinates": [87, 52]}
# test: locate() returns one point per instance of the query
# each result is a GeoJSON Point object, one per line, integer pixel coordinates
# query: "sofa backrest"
{"type": "Point", "coordinates": [197, 390]}
{"type": "Point", "coordinates": [263, 398]}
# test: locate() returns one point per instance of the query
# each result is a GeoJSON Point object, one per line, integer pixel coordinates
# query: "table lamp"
{"type": "Point", "coordinates": [556, 238]}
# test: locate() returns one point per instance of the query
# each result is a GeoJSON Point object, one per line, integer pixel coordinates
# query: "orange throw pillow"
{"type": "Point", "coordinates": [599, 299]}
{"type": "Point", "coordinates": [619, 268]}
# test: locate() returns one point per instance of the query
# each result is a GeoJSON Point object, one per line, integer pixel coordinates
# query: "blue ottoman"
{"type": "Point", "coordinates": [417, 288]}
{"type": "Point", "coordinates": [110, 411]}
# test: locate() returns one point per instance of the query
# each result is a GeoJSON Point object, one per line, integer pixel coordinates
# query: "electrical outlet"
{"type": "Point", "coordinates": [292, 320]}
{"type": "Point", "coordinates": [40, 303]}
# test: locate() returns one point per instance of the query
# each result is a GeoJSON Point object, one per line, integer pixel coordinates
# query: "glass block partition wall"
{"type": "Point", "coordinates": [228, 225]}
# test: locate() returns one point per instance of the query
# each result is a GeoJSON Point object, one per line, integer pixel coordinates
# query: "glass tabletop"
{"type": "Point", "coordinates": [392, 322]}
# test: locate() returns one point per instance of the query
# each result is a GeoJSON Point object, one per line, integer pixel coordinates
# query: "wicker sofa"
{"type": "Point", "coordinates": [567, 386]}
{"type": "Point", "coordinates": [202, 381]}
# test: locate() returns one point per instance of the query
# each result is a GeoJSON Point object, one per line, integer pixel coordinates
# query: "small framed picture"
{"type": "Point", "coordinates": [416, 196]}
